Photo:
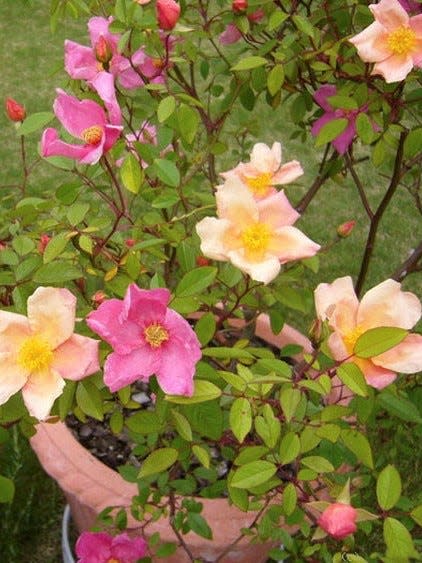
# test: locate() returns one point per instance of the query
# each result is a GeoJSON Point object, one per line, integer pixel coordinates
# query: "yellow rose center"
{"type": "Point", "coordinates": [92, 135]}
{"type": "Point", "coordinates": [35, 354]}
{"type": "Point", "coordinates": [155, 334]}
{"type": "Point", "coordinates": [255, 240]}
{"type": "Point", "coordinates": [402, 41]}
{"type": "Point", "coordinates": [113, 560]}
{"type": "Point", "coordinates": [351, 337]}
{"type": "Point", "coordinates": [259, 185]}
{"type": "Point", "coordinates": [158, 63]}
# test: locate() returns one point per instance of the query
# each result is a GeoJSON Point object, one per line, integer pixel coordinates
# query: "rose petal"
{"type": "Point", "coordinates": [406, 357]}
{"type": "Point", "coordinates": [84, 349]}
{"type": "Point", "coordinates": [40, 392]}
{"type": "Point", "coordinates": [12, 378]}
{"type": "Point", "coordinates": [77, 115]}
{"type": "Point", "coordinates": [122, 370]}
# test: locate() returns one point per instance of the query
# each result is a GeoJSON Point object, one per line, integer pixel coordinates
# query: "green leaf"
{"type": "Point", "coordinates": [55, 247]}
{"type": "Point", "coordinates": [198, 525]}
{"type": "Point", "coordinates": [399, 406]}
{"type": "Point", "coordinates": [289, 448]}
{"type": "Point", "coordinates": [289, 499]}
{"type": "Point", "coordinates": [204, 391]}
{"type": "Point", "coordinates": [158, 461]}
{"type": "Point", "coordinates": [399, 541]}
{"type": "Point", "coordinates": [205, 328]}
{"type": "Point", "coordinates": [240, 418]}
{"type": "Point", "coordinates": [351, 375]}
{"type": "Point", "coordinates": [167, 172]}
{"type": "Point", "coordinates": [359, 445]}
{"type": "Point", "coordinates": [182, 425]}
{"type": "Point", "coordinates": [289, 401]}
{"type": "Point", "coordinates": [365, 129]}
{"type": "Point", "coordinates": [188, 121]}
{"type": "Point", "coordinates": [7, 489]}
{"type": "Point", "coordinates": [317, 463]}
{"type": "Point", "coordinates": [89, 400]}
{"type": "Point", "coordinates": [342, 102]}
{"type": "Point", "coordinates": [166, 108]}
{"type": "Point", "coordinates": [413, 143]}
{"type": "Point", "coordinates": [253, 474]}
{"type": "Point", "coordinates": [416, 514]}
{"type": "Point", "coordinates": [275, 79]}
{"type": "Point", "coordinates": [35, 122]}
{"type": "Point", "coordinates": [225, 353]}
{"type": "Point", "coordinates": [144, 422]}
{"type": "Point", "coordinates": [249, 62]}
{"type": "Point", "coordinates": [304, 25]}
{"type": "Point", "coordinates": [375, 341]}
{"type": "Point", "coordinates": [330, 131]}
{"type": "Point", "coordinates": [77, 212]}
{"type": "Point", "coordinates": [131, 173]}
{"type": "Point", "coordinates": [388, 487]}
{"type": "Point", "coordinates": [202, 455]}
{"type": "Point", "coordinates": [23, 245]}
{"type": "Point", "coordinates": [57, 272]}
{"type": "Point", "coordinates": [196, 281]}
{"type": "Point", "coordinates": [268, 427]}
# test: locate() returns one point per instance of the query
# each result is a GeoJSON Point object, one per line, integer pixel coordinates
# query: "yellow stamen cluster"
{"type": "Point", "coordinates": [92, 135]}
{"type": "Point", "coordinates": [351, 337]}
{"type": "Point", "coordinates": [155, 334]}
{"type": "Point", "coordinates": [260, 184]}
{"type": "Point", "coordinates": [255, 240]}
{"type": "Point", "coordinates": [401, 41]}
{"type": "Point", "coordinates": [35, 354]}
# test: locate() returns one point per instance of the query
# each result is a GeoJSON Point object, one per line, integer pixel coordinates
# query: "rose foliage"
{"type": "Point", "coordinates": [193, 148]}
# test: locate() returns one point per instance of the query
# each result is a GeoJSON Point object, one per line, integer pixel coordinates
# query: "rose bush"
{"type": "Point", "coordinates": [176, 230]}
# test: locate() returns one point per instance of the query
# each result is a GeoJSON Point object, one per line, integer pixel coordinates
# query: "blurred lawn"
{"type": "Point", "coordinates": [32, 61]}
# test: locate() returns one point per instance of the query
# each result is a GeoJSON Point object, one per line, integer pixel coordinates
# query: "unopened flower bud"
{"type": "Point", "coordinates": [103, 52]}
{"type": "Point", "coordinates": [168, 12]}
{"type": "Point", "coordinates": [129, 242]}
{"type": "Point", "coordinates": [256, 16]}
{"type": "Point", "coordinates": [98, 297]}
{"type": "Point", "coordinates": [202, 261]}
{"type": "Point", "coordinates": [338, 520]}
{"type": "Point", "coordinates": [345, 229]}
{"type": "Point", "coordinates": [15, 111]}
{"type": "Point", "coordinates": [239, 6]}
{"type": "Point", "coordinates": [42, 243]}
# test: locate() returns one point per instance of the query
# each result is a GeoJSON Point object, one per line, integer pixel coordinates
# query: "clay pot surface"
{"type": "Point", "coordinates": [90, 487]}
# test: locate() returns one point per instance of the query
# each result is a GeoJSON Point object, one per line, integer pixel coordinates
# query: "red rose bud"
{"type": "Point", "coordinates": [130, 242]}
{"type": "Point", "coordinates": [256, 16]}
{"type": "Point", "coordinates": [345, 229]}
{"type": "Point", "coordinates": [239, 6]}
{"type": "Point", "coordinates": [15, 111]}
{"type": "Point", "coordinates": [202, 261]}
{"type": "Point", "coordinates": [44, 240]}
{"type": "Point", "coordinates": [168, 12]}
{"type": "Point", "coordinates": [103, 52]}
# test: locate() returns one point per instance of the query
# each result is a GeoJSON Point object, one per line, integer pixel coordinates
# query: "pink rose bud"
{"type": "Point", "coordinates": [98, 297]}
{"type": "Point", "coordinates": [168, 12]}
{"type": "Point", "coordinates": [345, 229]}
{"type": "Point", "coordinates": [103, 52]}
{"type": "Point", "coordinates": [15, 111]}
{"type": "Point", "coordinates": [239, 6]}
{"type": "Point", "coordinates": [42, 243]}
{"type": "Point", "coordinates": [338, 520]}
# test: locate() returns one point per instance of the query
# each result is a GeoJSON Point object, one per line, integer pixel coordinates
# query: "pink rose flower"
{"type": "Point", "coordinates": [100, 547]}
{"type": "Point", "coordinates": [411, 6]}
{"type": "Point", "coordinates": [168, 13]}
{"type": "Point", "coordinates": [385, 305]}
{"type": "Point", "coordinates": [85, 120]}
{"type": "Point", "coordinates": [343, 141]}
{"type": "Point", "coordinates": [338, 520]}
{"type": "Point", "coordinates": [232, 33]}
{"type": "Point", "coordinates": [147, 338]}
{"type": "Point", "coordinates": [255, 236]}
{"type": "Point", "coordinates": [38, 352]}
{"type": "Point", "coordinates": [264, 170]}
{"type": "Point", "coordinates": [101, 64]}
{"type": "Point", "coordinates": [393, 41]}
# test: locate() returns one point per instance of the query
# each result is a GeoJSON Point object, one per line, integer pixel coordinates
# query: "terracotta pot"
{"type": "Point", "coordinates": [90, 486]}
